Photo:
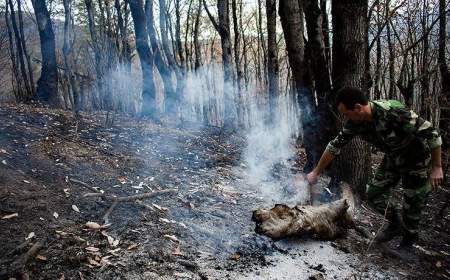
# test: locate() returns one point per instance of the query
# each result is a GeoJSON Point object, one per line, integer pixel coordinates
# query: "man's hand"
{"type": "Point", "coordinates": [437, 177]}
{"type": "Point", "coordinates": [312, 177]}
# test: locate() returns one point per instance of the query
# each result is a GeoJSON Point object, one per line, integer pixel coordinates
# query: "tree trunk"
{"type": "Point", "coordinates": [17, 88]}
{"type": "Point", "coordinates": [47, 89]}
{"type": "Point", "coordinates": [272, 55]}
{"type": "Point", "coordinates": [197, 47]}
{"type": "Point", "coordinates": [349, 66]}
{"type": "Point", "coordinates": [321, 73]}
{"type": "Point", "coordinates": [425, 78]}
{"type": "Point", "coordinates": [145, 56]}
{"type": "Point", "coordinates": [223, 28]}
{"type": "Point", "coordinates": [392, 91]}
{"type": "Point", "coordinates": [444, 123]}
{"type": "Point", "coordinates": [20, 53]}
{"type": "Point", "coordinates": [25, 50]}
{"type": "Point", "coordinates": [292, 23]}
{"type": "Point", "coordinates": [67, 50]}
{"type": "Point", "coordinates": [160, 63]}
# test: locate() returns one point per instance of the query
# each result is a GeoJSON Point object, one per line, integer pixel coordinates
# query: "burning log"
{"type": "Point", "coordinates": [327, 221]}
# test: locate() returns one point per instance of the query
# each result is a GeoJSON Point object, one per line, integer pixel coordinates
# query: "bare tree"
{"type": "Point", "coordinates": [146, 58]}
{"type": "Point", "coordinates": [47, 89]}
{"type": "Point", "coordinates": [223, 28]}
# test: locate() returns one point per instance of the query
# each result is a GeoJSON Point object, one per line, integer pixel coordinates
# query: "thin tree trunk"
{"type": "Point", "coordinates": [197, 47]}
{"type": "Point", "coordinates": [17, 88]}
{"type": "Point", "coordinates": [25, 50]}
{"type": "Point", "coordinates": [223, 28]}
{"type": "Point", "coordinates": [444, 123]}
{"type": "Point", "coordinates": [272, 56]}
{"type": "Point", "coordinates": [392, 89]}
{"type": "Point", "coordinates": [47, 89]}
{"type": "Point", "coordinates": [20, 53]}
{"type": "Point", "coordinates": [67, 51]}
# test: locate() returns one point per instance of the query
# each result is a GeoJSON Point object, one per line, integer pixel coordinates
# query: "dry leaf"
{"type": "Point", "coordinates": [132, 246]}
{"type": "Point", "coordinates": [93, 225]}
{"type": "Point", "coordinates": [235, 256]}
{"type": "Point", "coordinates": [172, 237]}
{"type": "Point", "coordinates": [110, 240]}
{"type": "Point", "coordinates": [30, 235]}
{"type": "Point", "coordinates": [177, 251]}
{"type": "Point", "coordinates": [41, 258]}
{"type": "Point", "coordinates": [10, 216]}
{"type": "Point", "coordinates": [92, 249]}
{"type": "Point", "coordinates": [75, 208]}
{"type": "Point", "coordinates": [115, 243]}
{"type": "Point", "coordinates": [93, 262]}
{"type": "Point", "coordinates": [62, 277]}
{"type": "Point", "coordinates": [56, 215]}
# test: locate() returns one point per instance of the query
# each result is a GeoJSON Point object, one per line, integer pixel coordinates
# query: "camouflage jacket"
{"type": "Point", "coordinates": [395, 129]}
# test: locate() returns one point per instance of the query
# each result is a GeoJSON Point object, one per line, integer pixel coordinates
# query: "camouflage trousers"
{"type": "Point", "coordinates": [415, 177]}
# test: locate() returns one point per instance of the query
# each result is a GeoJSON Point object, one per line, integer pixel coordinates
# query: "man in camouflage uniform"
{"type": "Point", "coordinates": [412, 153]}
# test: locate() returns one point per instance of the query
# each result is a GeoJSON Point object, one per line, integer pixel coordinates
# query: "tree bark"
{"type": "Point", "coordinates": [349, 66]}
{"type": "Point", "coordinates": [444, 123]}
{"type": "Point", "coordinates": [67, 50]}
{"type": "Point", "coordinates": [145, 56]}
{"type": "Point", "coordinates": [197, 47]}
{"type": "Point", "coordinates": [20, 53]}
{"type": "Point", "coordinates": [47, 89]}
{"type": "Point", "coordinates": [272, 56]}
{"type": "Point", "coordinates": [321, 74]}
{"type": "Point", "coordinates": [292, 23]}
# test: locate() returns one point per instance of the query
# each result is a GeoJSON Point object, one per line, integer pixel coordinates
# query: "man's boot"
{"type": "Point", "coordinates": [392, 229]}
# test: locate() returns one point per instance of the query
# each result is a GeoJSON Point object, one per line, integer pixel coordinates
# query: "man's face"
{"type": "Point", "coordinates": [355, 115]}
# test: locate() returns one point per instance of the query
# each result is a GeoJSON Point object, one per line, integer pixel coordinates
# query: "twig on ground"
{"type": "Point", "coordinates": [116, 200]}
{"type": "Point", "coordinates": [85, 185]}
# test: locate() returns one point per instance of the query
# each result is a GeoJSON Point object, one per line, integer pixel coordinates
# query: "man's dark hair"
{"type": "Point", "coordinates": [349, 96]}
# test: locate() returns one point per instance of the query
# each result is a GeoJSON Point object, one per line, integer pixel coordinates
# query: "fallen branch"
{"type": "Point", "coordinates": [85, 185]}
{"type": "Point", "coordinates": [18, 266]}
{"type": "Point", "coordinates": [116, 200]}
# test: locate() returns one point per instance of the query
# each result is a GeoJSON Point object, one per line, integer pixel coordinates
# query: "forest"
{"type": "Point", "coordinates": [144, 139]}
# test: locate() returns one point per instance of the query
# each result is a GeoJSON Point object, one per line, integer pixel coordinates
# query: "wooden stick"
{"type": "Point", "coordinates": [84, 185]}
{"type": "Point", "coordinates": [110, 209]}
{"type": "Point", "coordinates": [117, 200]}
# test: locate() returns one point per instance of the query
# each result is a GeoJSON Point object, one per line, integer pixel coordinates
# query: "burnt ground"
{"type": "Point", "coordinates": [202, 230]}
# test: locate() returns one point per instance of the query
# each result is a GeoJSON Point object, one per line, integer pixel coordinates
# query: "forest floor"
{"type": "Point", "coordinates": [196, 225]}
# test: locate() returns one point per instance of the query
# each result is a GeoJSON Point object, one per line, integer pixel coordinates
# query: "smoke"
{"type": "Point", "coordinates": [267, 160]}
{"type": "Point", "coordinates": [270, 153]}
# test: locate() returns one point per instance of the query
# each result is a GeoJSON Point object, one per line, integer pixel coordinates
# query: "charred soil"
{"type": "Point", "coordinates": [58, 173]}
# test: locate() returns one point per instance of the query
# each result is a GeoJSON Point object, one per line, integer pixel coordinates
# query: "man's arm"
{"type": "Point", "coordinates": [412, 123]}
{"type": "Point", "coordinates": [333, 149]}
{"type": "Point", "coordinates": [324, 161]}
{"type": "Point", "coordinates": [437, 176]}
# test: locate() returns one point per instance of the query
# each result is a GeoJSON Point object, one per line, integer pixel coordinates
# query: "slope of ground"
{"type": "Point", "coordinates": [54, 169]}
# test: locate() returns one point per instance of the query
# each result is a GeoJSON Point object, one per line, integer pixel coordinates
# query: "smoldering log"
{"type": "Point", "coordinates": [327, 221]}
